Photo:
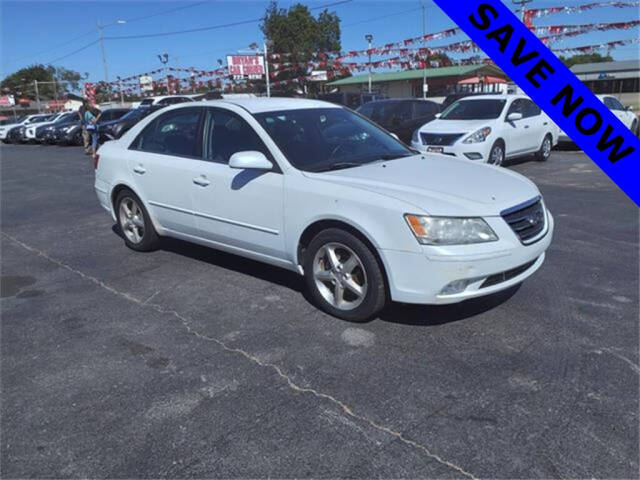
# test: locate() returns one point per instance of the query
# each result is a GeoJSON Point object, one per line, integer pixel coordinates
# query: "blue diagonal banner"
{"type": "Point", "coordinates": [550, 84]}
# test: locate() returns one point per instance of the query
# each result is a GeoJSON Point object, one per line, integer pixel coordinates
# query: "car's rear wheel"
{"type": "Point", "coordinates": [133, 219]}
{"type": "Point", "coordinates": [496, 156]}
{"type": "Point", "coordinates": [635, 128]}
{"type": "Point", "coordinates": [544, 153]}
{"type": "Point", "coordinates": [344, 277]}
{"type": "Point", "coordinates": [77, 138]}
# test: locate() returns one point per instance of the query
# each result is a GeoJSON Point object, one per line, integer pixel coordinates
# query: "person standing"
{"type": "Point", "coordinates": [91, 117]}
{"type": "Point", "coordinates": [86, 136]}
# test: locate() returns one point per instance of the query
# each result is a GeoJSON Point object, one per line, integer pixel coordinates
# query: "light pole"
{"type": "Point", "coordinates": [369, 38]}
{"type": "Point", "coordinates": [164, 58]}
{"type": "Point", "coordinates": [522, 3]}
{"type": "Point", "coordinates": [424, 32]}
{"type": "Point", "coordinates": [101, 39]}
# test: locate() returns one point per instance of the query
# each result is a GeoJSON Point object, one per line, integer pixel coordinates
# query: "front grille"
{"type": "Point", "coordinates": [527, 220]}
{"type": "Point", "coordinates": [441, 139]}
{"type": "Point", "coordinates": [508, 275]}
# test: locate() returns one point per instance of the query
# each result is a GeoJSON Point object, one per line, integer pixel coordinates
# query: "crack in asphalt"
{"type": "Point", "coordinates": [288, 380]}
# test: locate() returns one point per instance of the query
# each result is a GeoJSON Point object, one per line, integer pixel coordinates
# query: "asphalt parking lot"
{"type": "Point", "coordinates": [187, 362]}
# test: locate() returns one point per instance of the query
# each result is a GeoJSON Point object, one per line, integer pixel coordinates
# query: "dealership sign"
{"type": "Point", "coordinates": [146, 83]}
{"type": "Point", "coordinates": [246, 66]}
{"type": "Point", "coordinates": [7, 101]}
{"type": "Point", "coordinates": [553, 87]}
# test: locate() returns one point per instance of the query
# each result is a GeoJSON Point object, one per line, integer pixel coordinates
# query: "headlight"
{"type": "Point", "coordinates": [479, 136]}
{"type": "Point", "coordinates": [416, 137]}
{"type": "Point", "coordinates": [450, 231]}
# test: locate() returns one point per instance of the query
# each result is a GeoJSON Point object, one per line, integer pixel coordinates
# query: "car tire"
{"type": "Point", "coordinates": [635, 128]}
{"type": "Point", "coordinates": [344, 277]}
{"type": "Point", "coordinates": [135, 224]}
{"type": "Point", "coordinates": [77, 138]}
{"type": "Point", "coordinates": [544, 153]}
{"type": "Point", "coordinates": [496, 155]}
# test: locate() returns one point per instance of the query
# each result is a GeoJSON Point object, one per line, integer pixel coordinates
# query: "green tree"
{"type": "Point", "coordinates": [21, 83]}
{"type": "Point", "coordinates": [585, 58]}
{"type": "Point", "coordinates": [296, 31]}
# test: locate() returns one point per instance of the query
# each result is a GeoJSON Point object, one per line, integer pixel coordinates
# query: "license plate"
{"type": "Point", "coordinates": [435, 149]}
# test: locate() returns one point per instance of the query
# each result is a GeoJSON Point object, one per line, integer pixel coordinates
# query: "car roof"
{"type": "Point", "coordinates": [494, 97]}
{"type": "Point", "coordinates": [273, 104]}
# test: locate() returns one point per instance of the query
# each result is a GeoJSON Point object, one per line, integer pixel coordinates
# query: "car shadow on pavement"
{"type": "Point", "coordinates": [431, 315]}
{"type": "Point", "coordinates": [399, 313]}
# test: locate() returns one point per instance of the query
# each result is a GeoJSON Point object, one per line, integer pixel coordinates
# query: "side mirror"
{"type": "Point", "coordinates": [512, 117]}
{"type": "Point", "coordinates": [438, 115]}
{"type": "Point", "coordinates": [250, 160]}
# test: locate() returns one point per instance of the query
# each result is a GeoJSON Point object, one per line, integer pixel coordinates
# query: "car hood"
{"type": "Point", "coordinates": [455, 126]}
{"type": "Point", "coordinates": [439, 185]}
{"type": "Point", "coordinates": [9, 126]}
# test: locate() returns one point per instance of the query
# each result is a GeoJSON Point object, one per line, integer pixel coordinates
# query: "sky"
{"type": "Point", "coordinates": [51, 31]}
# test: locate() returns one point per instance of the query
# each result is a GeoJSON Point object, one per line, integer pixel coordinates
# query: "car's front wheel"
{"type": "Point", "coordinates": [496, 156]}
{"type": "Point", "coordinates": [344, 277]}
{"type": "Point", "coordinates": [544, 153]}
{"type": "Point", "coordinates": [133, 219]}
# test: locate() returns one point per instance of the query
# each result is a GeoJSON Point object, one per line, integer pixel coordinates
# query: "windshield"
{"type": "Point", "coordinates": [147, 101]}
{"type": "Point", "coordinates": [136, 113]}
{"type": "Point", "coordinates": [321, 139]}
{"type": "Point", "coordinates": [380, 111]}
{"type": "Point", "coordinates": [67, 117]}
{"type": "Point", "coordinates": [483, 109]}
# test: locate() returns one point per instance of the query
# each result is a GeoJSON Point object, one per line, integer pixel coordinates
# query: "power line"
{"type": "Point", "coordinates": [72, 53]}
{"type": "Point", "coordinates": [129, 20]}
{"type": "Point", "coordinates": [382, 17]}
{"type": "Point", "coordinates": [212, 27]}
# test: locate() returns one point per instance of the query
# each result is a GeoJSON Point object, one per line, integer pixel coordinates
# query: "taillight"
{"type": "Point", "coordinates": [96, 159]}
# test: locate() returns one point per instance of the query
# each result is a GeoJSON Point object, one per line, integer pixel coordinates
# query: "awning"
{"type": "Point", "coordinates": [486, 79]}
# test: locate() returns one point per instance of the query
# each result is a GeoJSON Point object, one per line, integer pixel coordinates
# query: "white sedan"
{"type": "Point", "coordinates": [317, 189]}
{"type": "Point", "coordinates": [21, 121]}
{"type": "Point", "coordinates": [489, 129]}
{"type": "Point", "coordinates": [626, 116]}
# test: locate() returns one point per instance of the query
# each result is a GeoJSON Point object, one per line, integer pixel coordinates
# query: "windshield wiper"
{"type": "Point", "coordinates": [337, 166]}
{"type": "Point", "coordinates": [395, 156]}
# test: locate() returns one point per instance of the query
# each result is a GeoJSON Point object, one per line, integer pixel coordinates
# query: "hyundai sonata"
{"type": "Point", "coordinates": [317, 189]}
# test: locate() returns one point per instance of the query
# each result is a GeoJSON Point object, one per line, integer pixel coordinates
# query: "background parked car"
{"type": "Point", "coordinates": [454, 97]}
{"type": "Point", "coordinates": [400, 116]}
{"type": "Point", "coordinates": [21, 121]}
{"type": "Point", "coordinates": [30, 131]}
{"type": "Point", "coordinates": [490, 129]}
{"type": "Point", "coordinates": [116, 128]}
{"type": "Point", "coordinates": [350, 99]}
{"type": "Point", "coordinates": [42, 130]}
{"type": "Point", "coordinates": [625, 115]}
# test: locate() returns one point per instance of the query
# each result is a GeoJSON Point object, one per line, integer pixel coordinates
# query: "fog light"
{"type": "Point", "coordinates": [458, 286]}
{"type": "Point", "coordinates": [473, 156]}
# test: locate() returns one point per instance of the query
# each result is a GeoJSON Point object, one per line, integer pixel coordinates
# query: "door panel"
{"type": "Point", "coordinates": [240, 208]}
{"type": "Point", "coordinates": [163, 163]}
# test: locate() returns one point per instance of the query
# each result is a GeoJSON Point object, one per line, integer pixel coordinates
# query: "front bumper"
{"type": "Point", "coordinates": [421, 278]}
{"type": "Point", "coordinates": [478, 152]}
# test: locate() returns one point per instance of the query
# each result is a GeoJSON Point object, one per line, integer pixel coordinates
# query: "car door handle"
{"type": "Point", "coordinates": [203, 182]}
{"type": "Point", "coordinates": [545, 123]}
{"type": "Point", "coordinates": [140, 169]}
{"type": "Point", "coordinates": [526, 126]}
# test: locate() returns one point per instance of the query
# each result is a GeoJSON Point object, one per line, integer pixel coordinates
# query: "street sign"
{"type": "Point", "coordinates": [318, 76]}
{"type": "Point", "coordinates": [246, 66]}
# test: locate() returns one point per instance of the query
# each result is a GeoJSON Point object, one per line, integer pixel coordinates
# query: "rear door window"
{"type": "Point", "coordinates": [175, 133]}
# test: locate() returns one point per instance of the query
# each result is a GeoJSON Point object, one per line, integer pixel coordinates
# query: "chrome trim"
{"type": "Point", "coordinates": [217, 219]}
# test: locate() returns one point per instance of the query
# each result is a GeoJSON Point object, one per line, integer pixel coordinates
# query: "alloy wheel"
{"type": "Point", "coordinates": [339, 276]}
{"type": "Point", "coordinates": [546, 148]}
{"type": "Point", "coordinates": [496, 156]}
{"type": "Point", "coordinates": [131, 220]}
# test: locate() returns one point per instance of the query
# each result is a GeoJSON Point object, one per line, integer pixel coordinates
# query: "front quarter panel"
{"type": "Point", "coordinates": [379, 218]}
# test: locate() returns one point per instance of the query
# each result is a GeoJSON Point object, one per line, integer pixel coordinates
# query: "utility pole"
{"type": "Point", "coordinates": [120, 88]}
{"type": "Point", "coordinates": [369, 38]}
{"type": "Point", "coordinates": [266, 69]}
{"type": "Point", "coordinates": [104, 56]}
{"type": "Point", "coordinates": [424, 32]}
{"type": "Point", "coordinates": [164, 58]}
{"type": "Point", "coordinates": [522, 4]}
{"type": "Point", "coordinates": [35, 84]}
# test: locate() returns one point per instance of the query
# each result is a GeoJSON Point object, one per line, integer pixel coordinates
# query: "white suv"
{"type": "Point", "coordinates": [490, 129]}
{"type": "Point", "coordinates": [317, 189]}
